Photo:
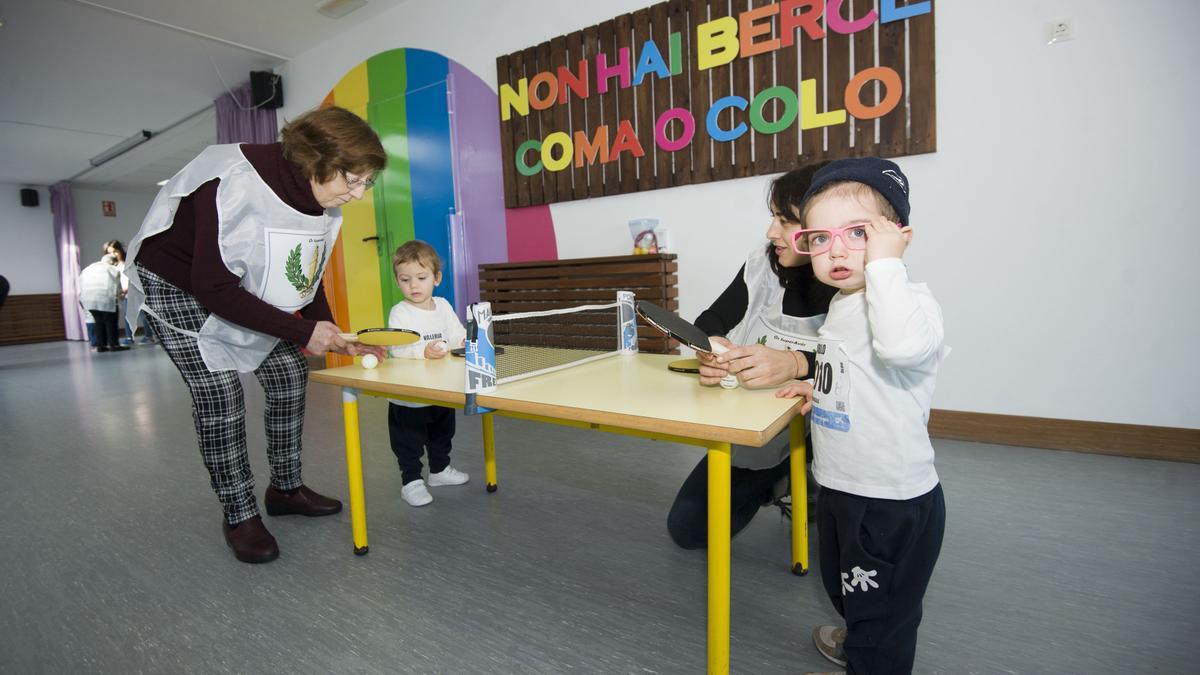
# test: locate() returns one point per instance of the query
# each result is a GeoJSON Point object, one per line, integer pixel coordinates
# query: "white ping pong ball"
{"type": "Point", "coordinates": [370, 361]}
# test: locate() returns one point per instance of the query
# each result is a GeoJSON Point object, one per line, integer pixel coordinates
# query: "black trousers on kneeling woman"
{"type": "Point", "coordinates": [751, 489]}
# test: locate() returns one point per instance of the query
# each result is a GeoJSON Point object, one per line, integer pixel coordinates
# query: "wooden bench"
{"type": "Point", "coordinates": [555, 284]}
{"type": "Point", "coordinates": [36, 317]}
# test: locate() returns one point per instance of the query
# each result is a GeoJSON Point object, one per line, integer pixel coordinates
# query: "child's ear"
{"type": "Point", "coordinates": [908, 234]}
{"type": "Point", "coordinates": [437, 279]}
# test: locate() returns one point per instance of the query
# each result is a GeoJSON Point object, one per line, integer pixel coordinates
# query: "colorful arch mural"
{"type": "Point", "coordinates": [439, 123]}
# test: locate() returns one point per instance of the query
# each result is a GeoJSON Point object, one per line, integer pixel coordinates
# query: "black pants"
{"type": "Point", "coordinates": [219, 402]}
{"type": "Point", "coordinates": [106, 328]}
{"type": "Point", "coordinates": [415, 430]}
{"type": "Point", "coordinates": [687, 522]}
{"type": "Point", "coordinates": [876, 558]}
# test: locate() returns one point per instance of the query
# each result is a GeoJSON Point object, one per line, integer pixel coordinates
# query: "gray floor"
{"type": "Point", "coordinates": [113, 560]}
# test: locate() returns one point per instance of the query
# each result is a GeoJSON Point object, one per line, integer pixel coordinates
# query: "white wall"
{"type": "Point", "coordinates": [95, 228]}
{"type": "Point", "coordinates": [27, 258]}
{"type": "Point", "coordinates": [1053, 223]}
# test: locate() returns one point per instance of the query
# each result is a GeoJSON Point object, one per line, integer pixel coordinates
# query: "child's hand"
{"type": "Point", "coordinates": [801, 390]}
{"type": "Point", "coordinates": [885, 239]}
{"type": "Point", "coordinates": [436, 349]}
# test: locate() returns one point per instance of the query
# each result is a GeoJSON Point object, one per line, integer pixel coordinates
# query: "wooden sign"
{"type": "Point", "coordinates": [691, 91]}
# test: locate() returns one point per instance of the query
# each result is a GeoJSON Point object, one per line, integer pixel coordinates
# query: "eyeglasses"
{"type": "Point", "coordinates": [354, 183]}
{"type": "Point", "coordinates": [816, 242]}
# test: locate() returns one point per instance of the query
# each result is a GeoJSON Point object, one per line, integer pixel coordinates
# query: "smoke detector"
{"type": "Point", "coordinates": [336, 9]}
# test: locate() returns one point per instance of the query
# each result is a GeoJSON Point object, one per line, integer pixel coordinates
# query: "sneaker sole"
{"type": "Point", "coordinates": [826, 649]}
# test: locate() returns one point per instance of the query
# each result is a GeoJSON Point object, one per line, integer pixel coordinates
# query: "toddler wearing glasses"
{"type": "Point", "coordinates": [880, 512]}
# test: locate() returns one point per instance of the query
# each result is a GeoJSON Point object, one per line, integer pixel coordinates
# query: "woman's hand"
{"type": "Point", "coordinates": [711, 372]}
{"type": "Point", "coordinates": [758, 366]}
{"type": "Point", "coordinates": [327, 337]}
{"type": "Point", "coordinates": [802, 390]}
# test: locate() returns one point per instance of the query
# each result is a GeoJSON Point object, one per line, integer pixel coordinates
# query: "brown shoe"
{"type": "Point", "coordinates": [304, 502]}
{"type": "Point", "coordinates": [250, 541]}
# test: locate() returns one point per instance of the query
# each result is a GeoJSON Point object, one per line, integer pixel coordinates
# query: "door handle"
{"type": "Point", "coordinates": [366, 239]}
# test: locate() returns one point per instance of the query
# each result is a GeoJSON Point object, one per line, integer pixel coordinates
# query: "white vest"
{"type": "Point", "coordinates": [277, 252]}
{"type": "Point", "coordinates": [765, 323]}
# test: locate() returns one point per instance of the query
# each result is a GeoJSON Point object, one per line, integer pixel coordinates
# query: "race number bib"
{"type": "Point", "coordinates": [831, 373]}
{"type": "Point", "coordinates": [831, 387]}
{"type": "Point", "coordinates": [295, 262]}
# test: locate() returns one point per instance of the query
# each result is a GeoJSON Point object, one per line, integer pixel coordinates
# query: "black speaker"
{"type": "Point", "coordinates": [266, 89]}
{"type": "Point", "coordinates": [29, 197]}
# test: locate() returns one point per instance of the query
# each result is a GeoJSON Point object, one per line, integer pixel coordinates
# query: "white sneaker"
{"type": "Point", "coordinates": [415, 493]}
{"type": "Point", "coordinates": [448, 476]}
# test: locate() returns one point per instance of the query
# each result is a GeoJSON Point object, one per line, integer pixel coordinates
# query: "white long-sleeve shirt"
{"type": "Point", "coordinates": [99, 287]}
{"type": "Point", "coordinates": [874, 387]}
{"type": "Point", "coordinates": [439, 323]}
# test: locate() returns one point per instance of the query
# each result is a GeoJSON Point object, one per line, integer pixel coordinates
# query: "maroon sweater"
{"type": "Point", "coordinates": [189, 256]}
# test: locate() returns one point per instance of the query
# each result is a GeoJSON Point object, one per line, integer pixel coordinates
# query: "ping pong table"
{"type": "Point", "coordinates": [632, 394]}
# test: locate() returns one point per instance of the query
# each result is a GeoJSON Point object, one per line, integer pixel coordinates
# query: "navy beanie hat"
{"type": "Point", "coordinates": [882, 175]}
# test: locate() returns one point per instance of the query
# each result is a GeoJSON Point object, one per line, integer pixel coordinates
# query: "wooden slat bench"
{"type": "Point", "coordinates": [555, 284]}
{"type": "Point", "coordinates": [29, 318]}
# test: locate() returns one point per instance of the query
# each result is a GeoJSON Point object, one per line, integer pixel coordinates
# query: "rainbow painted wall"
{"type": "Point", "coordinates": [439, 124]}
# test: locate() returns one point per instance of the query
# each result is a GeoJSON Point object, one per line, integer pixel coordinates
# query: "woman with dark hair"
{"type": "Point", "coordinates": [116, 249]}
{"type": "Point", "coordinates": [233, 247]}
{"type": "Point", "coordinates": [773, 295]}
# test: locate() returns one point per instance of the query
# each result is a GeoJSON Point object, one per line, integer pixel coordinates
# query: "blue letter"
{"type": "Point", "coordinates": [888, 12]}
{"type": "Point", "coordinates": [650, 61]}
{"type": "Point", "coordinates": [716, 132]}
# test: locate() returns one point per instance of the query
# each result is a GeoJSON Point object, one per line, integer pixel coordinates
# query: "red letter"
{"type": "Point", "coordinates": [576, 83]}
{"type": "Point", "coordinates": [626, 140]}
{"type": "Point", "coordinates": [789, 21]}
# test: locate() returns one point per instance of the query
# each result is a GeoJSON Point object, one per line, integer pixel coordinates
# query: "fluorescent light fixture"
{"type": "Point", "coordinates": [336, 9]}
{"type": "Point", "coordinates": [163, 182]}
{"type": "Point", "coordinates": [121, 148]}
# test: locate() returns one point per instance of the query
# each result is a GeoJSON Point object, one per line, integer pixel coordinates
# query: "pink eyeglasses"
{"type": "Point", "coordinates": [816, 242]}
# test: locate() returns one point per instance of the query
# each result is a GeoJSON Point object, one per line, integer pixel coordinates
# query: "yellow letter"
{"type": "Point", "coordinates": [809, 117]}
{"type": "Point", "coordinates": [518, 99]}
{"type": "Point", "coordinates": [716, 42]}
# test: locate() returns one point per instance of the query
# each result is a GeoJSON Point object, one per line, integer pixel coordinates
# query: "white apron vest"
{"type": "Point", "coordinates": [277, 252]}
{"type": "Point", "coordinates": [765, 323]}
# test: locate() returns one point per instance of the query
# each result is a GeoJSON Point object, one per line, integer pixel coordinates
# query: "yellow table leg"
{"type": "Point", "coordinates": [489, 451]}
{"type": "Point", "coordinates": [799, 474]}
{"type": "Point", "coordinates": [354, 472]}
{"type": "Point", "coordinates": [719, 455]}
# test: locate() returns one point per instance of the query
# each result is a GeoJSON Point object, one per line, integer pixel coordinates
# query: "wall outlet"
{"type": "Point", "coordinates": [1060, 30]}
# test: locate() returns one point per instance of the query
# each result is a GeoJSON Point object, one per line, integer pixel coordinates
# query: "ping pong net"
{"type": "Point", "coordinates": [540, 342]}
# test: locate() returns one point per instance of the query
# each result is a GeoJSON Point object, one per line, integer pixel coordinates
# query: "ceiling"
{"type": "Point", "coordinates": [80, 76]}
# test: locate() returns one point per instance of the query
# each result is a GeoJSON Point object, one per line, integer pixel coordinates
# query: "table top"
{"type": "Point", "coordinates": [631, 391]}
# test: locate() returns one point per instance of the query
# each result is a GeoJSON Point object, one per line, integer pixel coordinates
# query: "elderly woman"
{"type": "Point", "coordinates": [99, 293]}
{"type": "Point", "coordinates": [233, 247]}
{"type": "Point", "coordinates": [774, 294]}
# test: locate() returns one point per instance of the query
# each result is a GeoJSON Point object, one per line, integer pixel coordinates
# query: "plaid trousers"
{"type": "Point", "coordinates": [219, 406]}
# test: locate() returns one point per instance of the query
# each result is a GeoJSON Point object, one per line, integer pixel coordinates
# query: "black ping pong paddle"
{"type": "Point", "coordinates": [684, 331]}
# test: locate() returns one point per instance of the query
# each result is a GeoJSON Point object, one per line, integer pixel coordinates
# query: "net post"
{"type": "Point", "coordinates": [480, 357]}
{"type": "Point", "coordinates": [627, 341]}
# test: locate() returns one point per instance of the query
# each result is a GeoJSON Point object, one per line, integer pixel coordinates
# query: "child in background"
{"type": "Point", "coordinates": [415, 428]}
{"type": "Point", "coordinates": [880, 512]}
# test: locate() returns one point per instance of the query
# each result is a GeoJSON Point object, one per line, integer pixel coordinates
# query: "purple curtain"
{"type": "Point", "coordinates": [237, 122]}
{"type": "Point", "coordinates": [66, 237]}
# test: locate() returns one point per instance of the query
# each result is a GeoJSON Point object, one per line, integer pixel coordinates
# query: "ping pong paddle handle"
{"type": "Point", "coordinates": [730, 381]}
